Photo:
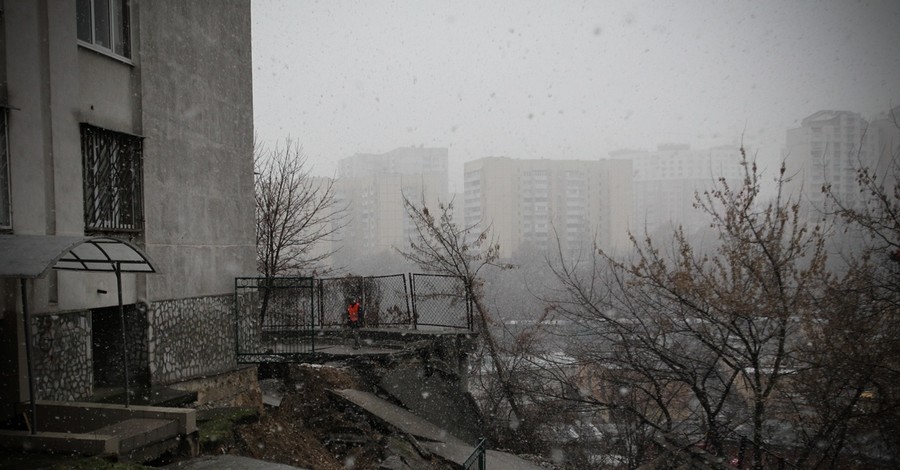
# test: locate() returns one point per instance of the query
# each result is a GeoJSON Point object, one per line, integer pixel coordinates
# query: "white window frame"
{"type": "Point", "coordinates": [115, 29]}
{"type": "Point", "coordinates": [5, 177]}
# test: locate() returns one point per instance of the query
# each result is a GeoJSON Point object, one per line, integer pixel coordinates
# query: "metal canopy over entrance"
{"type": "Point", "coordinates": [32, 256]}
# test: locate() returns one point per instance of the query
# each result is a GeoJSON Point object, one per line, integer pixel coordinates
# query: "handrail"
{"type": "Point", "coordinates": [477, 460]}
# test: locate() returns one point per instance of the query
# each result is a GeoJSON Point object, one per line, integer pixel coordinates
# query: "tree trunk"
{"type": "Point", "coordinates": [499, 366]}
{"type": "Point", "coordinates": [758, 410]}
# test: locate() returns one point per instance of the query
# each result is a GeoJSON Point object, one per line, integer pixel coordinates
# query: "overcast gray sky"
{"type": "Point", "coordinates": [559, 79]}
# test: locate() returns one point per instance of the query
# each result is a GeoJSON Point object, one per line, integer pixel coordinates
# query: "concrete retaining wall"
{"type": "Point", "coordinates": [233, 389]}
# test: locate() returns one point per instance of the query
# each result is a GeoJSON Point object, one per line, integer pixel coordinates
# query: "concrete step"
{"type": "Point", "coordinates": [147, 396]}
{"type": "Point", "coordinates": [139, 432]}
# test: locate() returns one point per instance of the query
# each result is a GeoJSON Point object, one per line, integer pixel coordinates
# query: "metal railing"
{"type": "Point", "coordinates": [440, 301]}
{"type": "Point", "coordinates": [384, 300]}
{"type": "Point", "coordinates": [278, 319]}
{"type": "Point", "coordinates": [478, 459]}
{"type": "Point", "coordinates": [274, 318]}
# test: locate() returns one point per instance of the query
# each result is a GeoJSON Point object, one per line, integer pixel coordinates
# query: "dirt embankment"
{"type": "Point", "coordinates": [312, 429]}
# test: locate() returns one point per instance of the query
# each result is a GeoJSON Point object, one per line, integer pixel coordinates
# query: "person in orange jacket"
{"type": "Point", "coordinates": [353, 321]}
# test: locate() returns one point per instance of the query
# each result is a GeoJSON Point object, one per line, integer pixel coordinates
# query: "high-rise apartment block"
{"type": "Point", "coordinates": [883, 141]}
{"type": "Point", "coordinates": [530, 204]}
{"type": "Point", "coordinates": [827, 148]}
{"type": "Point", "coordinates": [830, 147]}
{"type": "Point", "coordinates": [666, 181]}
{"type": "Point", "coordinates": [372, 187]}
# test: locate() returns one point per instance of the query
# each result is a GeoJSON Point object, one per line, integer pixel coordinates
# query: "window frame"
{"type": "Point", "coordinates": [110, 219]}
{"type": "Point", "coordinates": [115, 29]}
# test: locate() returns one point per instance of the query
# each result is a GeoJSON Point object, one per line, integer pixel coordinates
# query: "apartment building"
{"type": "Point", "coordinates": [828, 147]}
{"type": "Point", "coordinates": [126, 124]}
{"type": "Point", "coordinates": [667, 179]}
{"type": "Point", "coordinates": [530, 204]}
{"type": "Point", "coordinates": [883, 141]}
{"type": "Point", "coordinates": [372, 187]}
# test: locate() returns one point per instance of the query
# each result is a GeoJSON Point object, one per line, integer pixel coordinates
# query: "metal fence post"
{"type": "Point", "coordinates": [406, 294]}
{"type": "Point", "coordinates": [412, 294]}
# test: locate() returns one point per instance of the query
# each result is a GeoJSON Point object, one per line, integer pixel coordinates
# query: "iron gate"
{"type": "Point", "coordinates": [274, 318]}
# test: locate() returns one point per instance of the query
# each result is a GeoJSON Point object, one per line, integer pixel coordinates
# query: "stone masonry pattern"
{"type": "Point", "coordinates": [191, 338]}
{"type": "Point", "coordinates": [62, 356]}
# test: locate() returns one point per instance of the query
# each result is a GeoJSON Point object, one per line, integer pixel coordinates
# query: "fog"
{"type": "Point", "coordinates": [571, 80]}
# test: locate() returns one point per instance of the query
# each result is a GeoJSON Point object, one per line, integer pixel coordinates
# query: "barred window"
{"type": "Point", "coordinates": [113, 196]}
{"type": "Point", "coordinates": [5, 211]}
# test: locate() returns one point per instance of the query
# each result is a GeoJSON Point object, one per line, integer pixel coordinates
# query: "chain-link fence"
{"type": "Point", "coordinates": [278, 318]}
{"type": "Point", "coordinates": [440, 301]}
{"type": "Point", "coordinates": [274, 318]}
{"type": "Point", "coordinates": [384, 301]}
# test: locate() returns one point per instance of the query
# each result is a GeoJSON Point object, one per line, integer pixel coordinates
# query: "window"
{"type": "Point", "coordinates": [105, 25]}
{"type": "Point", "coordinates": [113, 196]}
{"type": "Point", "coordinates": [5, 211]}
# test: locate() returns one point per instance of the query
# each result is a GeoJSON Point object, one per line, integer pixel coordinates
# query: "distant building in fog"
{"type": "Point", "coordinates": [372, 187]}
{"type": "Point", "coordinates": [666, 180]}
{"type": "Point", "coordinates": [884, 146]}
{"type": "Point", "coordinates": [528, 203]}
{"type": "Point", "coordinates": [829, 146]}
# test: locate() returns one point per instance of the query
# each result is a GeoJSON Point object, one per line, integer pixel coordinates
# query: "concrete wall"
{"type": "Point", "coordinates": [236, 388]}
{"type": "Point", "coordinates": [433, 385]}
{"type": "Point", "coordinates": [53, 84]}
{"type": "Point", "coordinates": [197, 116]}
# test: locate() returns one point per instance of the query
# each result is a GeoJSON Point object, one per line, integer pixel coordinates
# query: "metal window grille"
{"type": "Point", "coordinates": [113, 180]}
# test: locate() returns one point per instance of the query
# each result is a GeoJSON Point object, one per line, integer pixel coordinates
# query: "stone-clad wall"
{"type": "Point", "coordinates": [191, 338]}
{"type": "Point", "coordinates": [62, 356]}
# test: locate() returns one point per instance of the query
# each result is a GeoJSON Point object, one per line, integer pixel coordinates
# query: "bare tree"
{"type": "Point", "coordinates": [866, 367]}
{"type": "Point", "coordinates": [441, 246]}
{"type": "Point", "coordinates": [295, 213]}
{"type": "Point", "coordinates": [703, 341]}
